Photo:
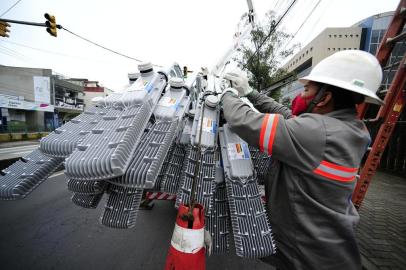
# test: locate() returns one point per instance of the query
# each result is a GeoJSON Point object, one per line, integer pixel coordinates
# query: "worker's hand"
{"type": "Point", "coordinates": [228, 90]}
{"type": "Point", "coordinates": [239, 81]}
{"type": "Point", "coordinates": [208, 242]}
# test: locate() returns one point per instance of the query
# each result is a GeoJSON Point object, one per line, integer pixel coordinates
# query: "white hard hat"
{"type": "Point", "coordinates": [353, 70]}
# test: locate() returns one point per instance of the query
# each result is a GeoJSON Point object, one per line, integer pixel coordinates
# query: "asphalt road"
{"type": "Point", "coordinates": [47, 231]}
{"type": "Point", "coordinates": [16, 151]}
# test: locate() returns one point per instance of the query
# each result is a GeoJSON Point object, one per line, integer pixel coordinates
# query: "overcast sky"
{"type": "Point", "coordinates": [190, 32]}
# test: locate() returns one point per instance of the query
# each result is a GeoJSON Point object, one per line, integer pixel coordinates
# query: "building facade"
{"type": "Point", "coordinates": [91, 89]}
{"type": "Point", "coordinates": [370, 33]}
{"type": "Point", "coordinates": [33, 99]}
{"type": "Point", "coordinates": [328, 42]}
{"type": "Point", "coordinates": [69, 100]}
{"type": "Point", "coordinates": [365, 35]}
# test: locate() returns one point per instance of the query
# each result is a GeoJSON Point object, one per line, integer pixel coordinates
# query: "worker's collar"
{"type": "Point", "coordinates": [345, 114]}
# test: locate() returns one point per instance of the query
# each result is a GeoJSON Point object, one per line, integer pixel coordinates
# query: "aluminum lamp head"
{"type": "Point", "coordinates": [176, 83]}
{"type": "Point", "coordinates": [145, 67]}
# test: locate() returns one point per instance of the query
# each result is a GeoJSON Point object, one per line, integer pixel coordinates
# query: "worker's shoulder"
{"type": "Point", "coordinates": [335, 118]}
{"type": "Point", "coordinates": [307, 121]}
{"type": "Point", "coordinates": [339, 122]}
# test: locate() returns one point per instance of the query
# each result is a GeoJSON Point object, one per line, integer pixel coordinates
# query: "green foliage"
{"type": "Point", "coordinates": [287, 102]}
{"type": "Point", "coordinates": [17, 126]}
{"type": "Point", "coordinates": [264, 67]}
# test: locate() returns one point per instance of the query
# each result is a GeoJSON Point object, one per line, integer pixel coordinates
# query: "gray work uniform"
{"type": "Point", "coordinates": [310, 182]}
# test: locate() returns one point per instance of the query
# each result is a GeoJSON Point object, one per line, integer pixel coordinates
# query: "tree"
{"type": "Point", "coordinates": [264, 66]}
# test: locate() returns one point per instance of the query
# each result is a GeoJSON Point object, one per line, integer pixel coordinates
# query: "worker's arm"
{"type": "Point", "coordinates": [265, 104]}
{"type": "Point", "coordinates": [298, 142]}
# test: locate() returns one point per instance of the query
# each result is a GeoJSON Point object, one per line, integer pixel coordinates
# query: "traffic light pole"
{"type": "Point", "coordinates": [23, 22]}
{"type": "Point", "coordinates": [28, 23]}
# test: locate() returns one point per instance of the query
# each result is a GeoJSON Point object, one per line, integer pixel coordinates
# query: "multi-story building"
{"type": "Point", "coordinates": [365, 35]}
{"type": "Point", "coordinates": [328, 42]}
{"type": "Point", "coordinates": [91, 89]}
{"type": "Point", "coordinates": [33, 99]}
{"type": "Point", "coordinates": [375, 28]}
{"type": "Point", "coordinates": [69, 100]}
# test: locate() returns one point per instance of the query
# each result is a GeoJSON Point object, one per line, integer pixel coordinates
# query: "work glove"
{"type": "Point", "coordinates": [239, 81]}
{"type": "Point", "coordinates": [231, 90]}
{"type": "Point", "coordinates": [208, 242]}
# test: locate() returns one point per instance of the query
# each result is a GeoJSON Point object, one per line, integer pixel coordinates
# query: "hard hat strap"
{"type": "Point", "coordinates": [317, 98]}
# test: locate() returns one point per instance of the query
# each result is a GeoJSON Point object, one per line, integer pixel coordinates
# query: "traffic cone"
{"type": "Point", "coordinates": [187, 250]}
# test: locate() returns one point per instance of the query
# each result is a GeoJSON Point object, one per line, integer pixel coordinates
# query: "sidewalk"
{"type": "Point", "coordinates": [18, 143]}
{"type": "Point", "coordinates": [382, 229]}
{"type": "Point", "coordinates": [9, 151]}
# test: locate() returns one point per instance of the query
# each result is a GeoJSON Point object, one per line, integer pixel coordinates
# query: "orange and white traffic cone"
{"type": "Point", "coordinates": [187, 250]}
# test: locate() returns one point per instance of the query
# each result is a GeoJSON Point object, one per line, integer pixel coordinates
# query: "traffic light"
{"type": "Point", "coordinates": [51, 24]}
{"type": "Point", "coordinates": [4, 29]}
{"type": "Point", "coordinates": [185, 71]}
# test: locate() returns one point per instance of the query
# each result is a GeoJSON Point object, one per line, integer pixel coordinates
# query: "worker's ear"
{"type": "Point", "coordinates": [325, 99]}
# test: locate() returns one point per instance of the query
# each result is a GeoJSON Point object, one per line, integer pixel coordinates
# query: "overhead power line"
{"type": "Point", "coordinates": [58, 26]}
{"type": "Point", "coordinates": [318, 19]}
{"type": "Point", "coordinates": [300, 27]}
{"type": "Point", "coordinates": [56, 53]}
{"type": "Point", "coordinates": [10, 8]}
{"type": "Point", "coordinates": [271, 31]}
{"type": "Point", "coordinates": [103, 47]}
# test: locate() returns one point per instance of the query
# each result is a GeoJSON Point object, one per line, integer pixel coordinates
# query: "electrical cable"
{"type": "Point", "coordinates": [5, 12]}
{"type": "Point", "coordinates": [318, 19]}
{"type": "Point", "coordinates": [271, 31]}
{"type": "Point", "coordinates": [56, 53]}
{"type": "Point", "coordinates": [16, 54]}
{"type": "Point", "coordinates": [101, 46]}
{"type": "Point", "coordinates": [277, 5]}
{"type": "Point", "coordinates": [300, 27]}
{"type": "Point", "coordinates": [94, 43]}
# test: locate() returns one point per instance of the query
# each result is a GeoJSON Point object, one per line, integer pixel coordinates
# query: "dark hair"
{"type": "Point", "coordinates": [344, 99]}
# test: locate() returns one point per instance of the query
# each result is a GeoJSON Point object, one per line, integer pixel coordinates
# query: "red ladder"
{"type": "Point", "coordinates": [391, 110]}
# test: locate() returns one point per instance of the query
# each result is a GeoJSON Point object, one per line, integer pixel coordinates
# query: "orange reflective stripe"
{"type": "Point", "coordinates": [338, 167]}
{"type": "Point", "coordinates": [273, 133]}
{"type": "Point", "coordinates": [268, 131]}
{"type": "Point", "coordinates": [335, 172]}
{"type": "Point", "coordinates": [334, 177]}
{"type": "Point", "coordinates": [262, 134]}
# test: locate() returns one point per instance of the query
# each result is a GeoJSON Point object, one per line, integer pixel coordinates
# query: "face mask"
{"type": "Point", "coordinates": [299, 104]}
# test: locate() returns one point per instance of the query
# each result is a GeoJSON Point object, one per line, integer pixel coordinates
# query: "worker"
{"type": "Point", "coordinates": [315, 156]}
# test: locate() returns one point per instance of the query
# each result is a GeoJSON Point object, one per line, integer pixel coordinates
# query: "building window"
{"type": "Point", "coordinates": [351, 35]}
{"type": "Point", "coordinates": [329, 36]}
{"type": "Point", "coordinates": [357, 35]}
{"type": "Point", "coordinates": [346, 35]}
{"type": "Point", "coordinates": [328, 48]}
{"type": "Point", "coordinates": [311, 49]}
{"type": "Point", "coordinates": [335, 36]}
{"type": "Point", "coordinates": [373, 48]}
{"type": "Point", "coordinates": [340, 36]}
{"type": "Point", "coordinates": [375, 36]}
